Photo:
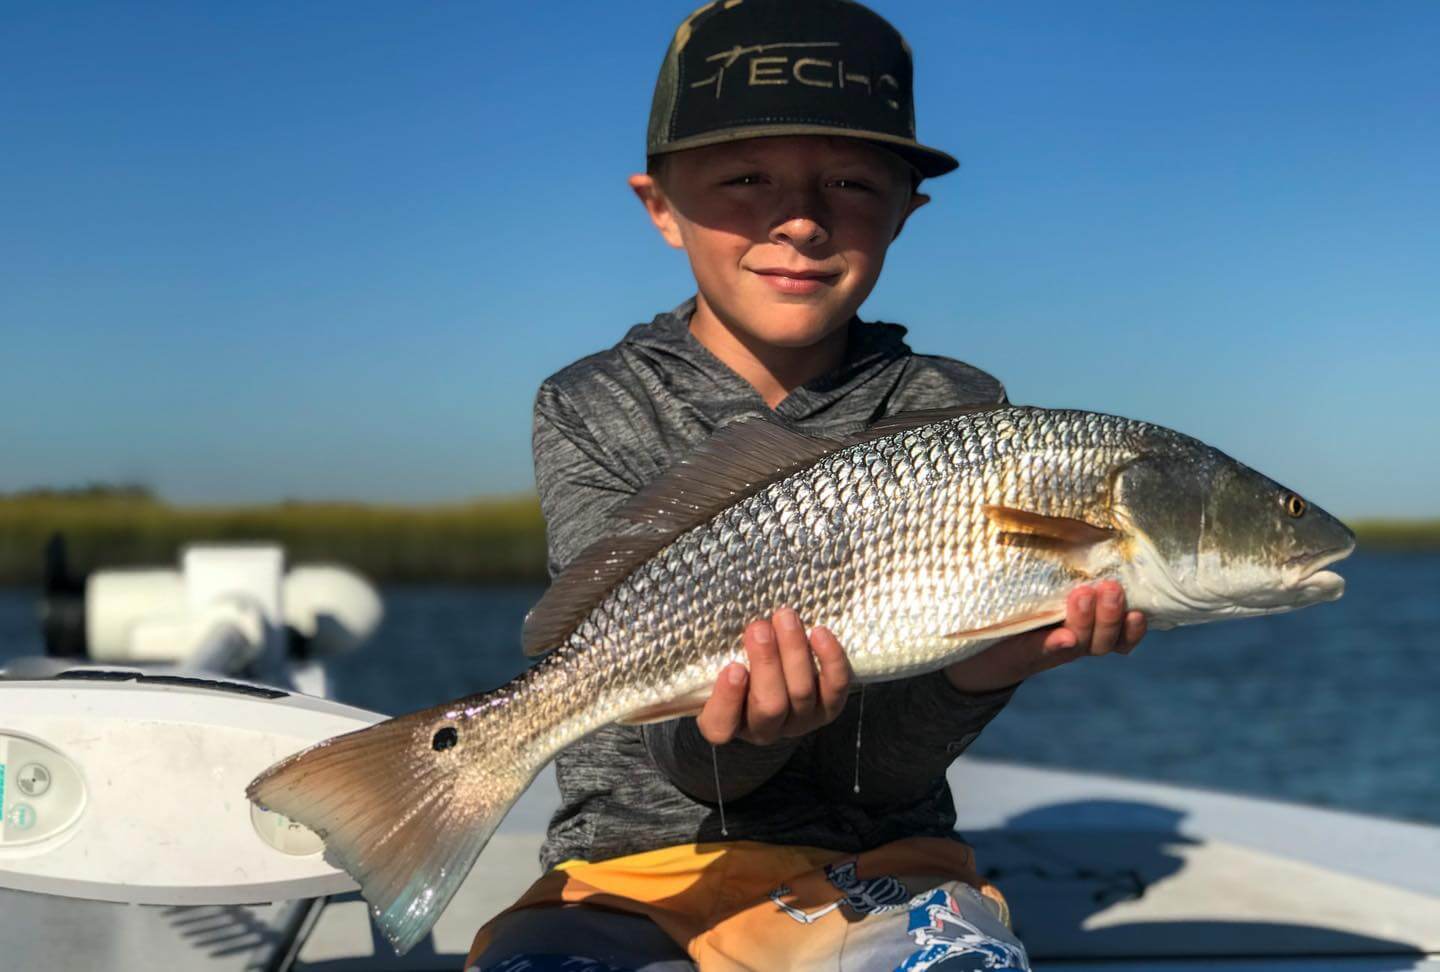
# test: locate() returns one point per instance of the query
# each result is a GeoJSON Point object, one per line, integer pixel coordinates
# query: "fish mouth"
{"type": "Point", "coordinates": [1310, 566]}
{"type": "Point", "coordinates": [1314, 580]}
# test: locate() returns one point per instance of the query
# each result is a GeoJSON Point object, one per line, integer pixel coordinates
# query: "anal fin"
{"type": "Point", "coordinates": [1011, 626]}
{"type": "Point", "coordinates": [688, 704]}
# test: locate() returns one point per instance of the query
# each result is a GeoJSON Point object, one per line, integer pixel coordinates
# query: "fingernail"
{"type": "Point", "coordinates": [1111, 598]}
{"type": "Point", "coordinates": [1086, 602]}
{"type": "Point", "coordinates": [737, 675]}
{"type": "Point", "coordinates": [763, 633]}
{"type": "Point", "coordinates": [788, 618]}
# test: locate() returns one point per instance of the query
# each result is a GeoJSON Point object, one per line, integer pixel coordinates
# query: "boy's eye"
{"type": "Point", "coordinates": [749, 179]}
{"type": "Point", "coordinates": [850, 184]}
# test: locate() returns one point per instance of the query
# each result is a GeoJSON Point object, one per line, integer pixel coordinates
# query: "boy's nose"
{"type": "Point", "coordinates": [799, 231]}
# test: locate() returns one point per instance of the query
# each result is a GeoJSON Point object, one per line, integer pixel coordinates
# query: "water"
{"type": "Point", "coordinates": [1334, 705]}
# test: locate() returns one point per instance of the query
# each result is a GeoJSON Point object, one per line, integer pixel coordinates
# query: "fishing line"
{"type": "Point", "coordinates": [859, 725]}
{"type": "Point", "coordinates": [719, 797]}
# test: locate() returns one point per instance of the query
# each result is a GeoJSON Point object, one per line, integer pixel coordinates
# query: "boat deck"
{"type": "Point", "coordinates": [1101, 873]}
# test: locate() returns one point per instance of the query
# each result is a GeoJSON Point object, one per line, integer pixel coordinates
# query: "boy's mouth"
{"type": "Point", "coordinates": [789, 281]}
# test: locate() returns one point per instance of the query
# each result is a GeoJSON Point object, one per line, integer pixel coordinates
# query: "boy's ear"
{"type": "Point", "coordinates": [917, 199]}
{"type": "Point", "coordinates": [657, 206]}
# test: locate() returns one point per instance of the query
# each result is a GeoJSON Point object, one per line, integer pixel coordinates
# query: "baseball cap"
{"type": "Point", "coordinates": [750, 68]}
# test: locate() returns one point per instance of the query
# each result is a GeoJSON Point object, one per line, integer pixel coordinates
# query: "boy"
{"type": "Point", "coordinates": [764, 833]}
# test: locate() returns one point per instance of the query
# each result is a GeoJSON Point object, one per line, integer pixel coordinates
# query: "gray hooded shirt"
{"type": "Point", "coordinates": [614, 421]}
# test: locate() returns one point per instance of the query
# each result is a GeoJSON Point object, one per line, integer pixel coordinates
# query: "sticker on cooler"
{"type": "Point", "coordinates": [33, 779]}
{"type": "Point", "coordinates": [41, 792]}
{"type": "Point", "coordinates": [21, 816]}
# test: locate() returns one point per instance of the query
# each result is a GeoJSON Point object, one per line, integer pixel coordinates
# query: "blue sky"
{"type": "Point", "coordinates": [268, 250]}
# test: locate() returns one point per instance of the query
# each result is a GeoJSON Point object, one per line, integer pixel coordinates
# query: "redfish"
{"type": "Point", "coordinates": [918, 543]}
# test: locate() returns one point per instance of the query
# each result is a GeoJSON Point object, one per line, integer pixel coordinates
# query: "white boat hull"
{"type": "Point", "coordinates": [1101, 873]}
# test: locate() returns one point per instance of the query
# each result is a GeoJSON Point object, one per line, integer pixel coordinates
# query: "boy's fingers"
{"type": "Point", "coordinates": [1051, 640]}
{"type": "Point", "coordinates": [1080, 616]}
{"type": "Point", "coordinates": [1057, 646]}
{"type": "Point", "coordinates": [767, 702]}
{"type": "Point", "coordinates": [797, 664]}
{"type": "Point", "coordinates": [720, 719]}
{"type": "Point", "coordinates": [1109, 618]}
{"type": "Point", "coordinates": [1135, 627]}
{"type": "Point", "coordinates": [835, 672]}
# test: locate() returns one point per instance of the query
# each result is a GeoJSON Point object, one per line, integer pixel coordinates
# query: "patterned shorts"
{"type": "Point", "coordinates": [911, 905]}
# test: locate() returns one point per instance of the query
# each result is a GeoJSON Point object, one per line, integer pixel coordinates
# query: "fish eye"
{"type": "Point", "coordinates": [1294, 505]}
{"type": "Point", "coordinates": [444, 739]}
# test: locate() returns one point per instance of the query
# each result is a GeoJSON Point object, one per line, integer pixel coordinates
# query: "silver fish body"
{"type": "Point", "coordinates": [917, 547]}
{"type": "Point", "coordinates": [884, 542]}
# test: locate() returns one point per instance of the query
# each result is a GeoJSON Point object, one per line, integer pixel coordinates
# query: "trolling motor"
{"type": "Point", "coordinates": [230, 609]}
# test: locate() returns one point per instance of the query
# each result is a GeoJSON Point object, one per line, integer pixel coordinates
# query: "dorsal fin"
{"type": "Point", "coordinates": [737, 461]}
{"type": "Point", "coordinates": [581, 585]}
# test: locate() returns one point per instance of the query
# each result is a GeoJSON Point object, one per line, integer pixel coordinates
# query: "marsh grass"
{"type": "Point", "coordinates": [1398, 534]}
{"type": "Point", "coordinates": [482, 542]}
{"type": "Point", "coordinates": [486, 541]}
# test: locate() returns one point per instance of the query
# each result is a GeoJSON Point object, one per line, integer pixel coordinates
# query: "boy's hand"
{"type": "Point", "coordinates": [1096, 623]}
{"type": "Point", "coordinates": [781, 694]}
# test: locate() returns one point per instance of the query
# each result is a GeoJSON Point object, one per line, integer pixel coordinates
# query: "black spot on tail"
{"type": "Point", "coordinates": [444, 739]}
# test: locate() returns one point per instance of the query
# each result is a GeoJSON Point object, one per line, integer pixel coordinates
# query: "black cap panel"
{"type": "Point", "coordinates": [788, 66]}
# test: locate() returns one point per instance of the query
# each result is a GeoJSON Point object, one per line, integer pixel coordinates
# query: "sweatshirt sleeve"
{"type": "Point", "coordinates": [580, 482]}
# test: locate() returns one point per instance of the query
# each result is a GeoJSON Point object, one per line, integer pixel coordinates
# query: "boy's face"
{"type": "Point", "coordinates": [786, 236]}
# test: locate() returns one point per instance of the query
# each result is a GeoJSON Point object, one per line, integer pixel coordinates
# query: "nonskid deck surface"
{"type": "Point", "coordinates": [1104, 872]}
{"type": "Point", "coordinates": [1101, 873]}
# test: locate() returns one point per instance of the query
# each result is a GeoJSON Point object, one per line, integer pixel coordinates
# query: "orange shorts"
{"type": "Point", "coordinates": [748, 905]}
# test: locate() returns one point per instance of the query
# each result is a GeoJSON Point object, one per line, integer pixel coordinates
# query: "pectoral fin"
{"type": "Point", "coordinates": [1062, 530]}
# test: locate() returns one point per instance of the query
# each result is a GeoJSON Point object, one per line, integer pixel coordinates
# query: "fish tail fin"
{"type": "Point", "coordinates": [404, 807]}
